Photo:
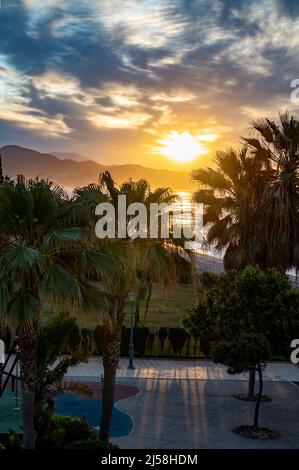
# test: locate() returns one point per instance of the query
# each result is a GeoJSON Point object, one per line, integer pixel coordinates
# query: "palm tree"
{"type": "Point", "coordinates": [149, 252]}
{"type": "Point", "coordinates": [157, 259]}
{"type": "Point", "coordinates": [40, 258]}
{"type": "Point", "coordinates": [231, 195]}
{"type": "Point", "coordinates": [251, 199]}
{"type": "Point", "coordinates": [276, 145]}
{"type": "Point", "coordinates": [59, 347]}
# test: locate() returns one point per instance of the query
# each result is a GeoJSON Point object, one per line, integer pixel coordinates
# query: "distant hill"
{"type": "Point", "coordinates": [70, 156]}
{"type": "Point", "coordinates": [68, 172]}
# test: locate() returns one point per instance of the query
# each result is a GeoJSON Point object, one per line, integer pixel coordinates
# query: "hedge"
{"type": "Point", "coordinates": [163, 342]}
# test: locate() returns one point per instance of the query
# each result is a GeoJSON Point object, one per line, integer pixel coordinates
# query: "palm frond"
{"type": "Point", "coordinates": [22, 308]}
{"type": "Point", "coordinates": [22, 261]}
{"type": "Point", "coordinates": [65, 235]}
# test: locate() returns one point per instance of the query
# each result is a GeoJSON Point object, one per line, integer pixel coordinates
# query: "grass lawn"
{"type": "Point", "coordinates": [165, 309]}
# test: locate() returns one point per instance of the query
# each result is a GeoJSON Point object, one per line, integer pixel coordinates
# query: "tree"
{"type": "Point", "coordinates": [277, 146]}
{"type": "Point", "coordinates": [141, 259]}
{"type": "Point", "coordinates": [148, 254]}
{"type": "Point", "coordinates": [59, 347]}
{"type": "Point", "coordinates": [43, 258]}
{"type": "Point", "coordinates": [253, 301]}
{"type": "Point", "coordinates": [251, 199]}
{"type": "Point", "coordinates": [249, 351]}
{"type": "Point", "coordinates": [231, 195]}
{"type": "Point", "coordinates": [257, 301]}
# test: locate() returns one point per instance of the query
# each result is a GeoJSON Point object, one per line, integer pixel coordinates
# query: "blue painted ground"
{"type": "Point", "coordinates": [73, 405]}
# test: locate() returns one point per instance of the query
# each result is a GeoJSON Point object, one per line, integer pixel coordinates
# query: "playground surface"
{"type": "Point", "coordinates": [74, 405]}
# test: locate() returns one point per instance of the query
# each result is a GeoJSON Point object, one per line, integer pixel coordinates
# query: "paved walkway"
{"type": "Point", "coordinates": [193, 369]}
{"type": "Point", "coordinates": [200, 414]}
{"type": "Point", "coordinates": [183, 369]}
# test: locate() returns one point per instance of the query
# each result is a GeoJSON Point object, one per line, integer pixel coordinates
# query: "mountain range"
{"type": "Point", "coordinates": [71, 172]}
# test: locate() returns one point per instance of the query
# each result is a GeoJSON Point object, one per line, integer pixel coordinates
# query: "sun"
{"type": "Point", "coordinates": [183, 147]}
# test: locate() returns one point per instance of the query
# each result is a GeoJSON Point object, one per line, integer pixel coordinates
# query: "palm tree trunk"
{"type": "Point", "coordinates": [111, 352]}
{"type": "Point", "coordinates": [108, 398]}
{"type": "Point", "coordinates": [259, 396]}
{"type": "Point", "coordinates": [27, 418]}
{"type": "Point", "coordinates": [28, 336]}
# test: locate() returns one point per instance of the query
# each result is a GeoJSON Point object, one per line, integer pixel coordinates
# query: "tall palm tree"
{"type": "Point", "coordinates": [251, 199]}
{"type": "Point", "coordinates": [231, 195]}
{"type": "Point", "coordinates": [158, 258]}
{"type": "Point", "coordinates": [116, 286]}
{"type": "Point", "coordinates": [277, 146]}
{"type": "Point", "coordinates": [40, 258]}
{"type": "Point", "coordinates": [149, 251]}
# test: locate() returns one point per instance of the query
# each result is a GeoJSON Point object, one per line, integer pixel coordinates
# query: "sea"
{"type": "Point", "coordinates": [185, 203]}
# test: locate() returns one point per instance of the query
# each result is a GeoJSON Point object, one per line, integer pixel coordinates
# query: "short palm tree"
{"type": "Point", "coordinates": [42, 259]}
{"type": "Point", "coordinates": [59, 347]}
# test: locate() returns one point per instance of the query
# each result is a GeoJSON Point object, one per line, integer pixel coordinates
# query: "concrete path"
{"type": "Point", "coordinates": [190, 414]}
{"type": "Point", "coordinates": [182, 369]}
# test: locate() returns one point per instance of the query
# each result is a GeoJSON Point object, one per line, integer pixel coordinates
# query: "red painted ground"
{"type": "Point", "coordinates": [121, 391]}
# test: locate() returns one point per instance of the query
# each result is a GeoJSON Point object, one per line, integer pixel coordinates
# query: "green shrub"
{"type": "Point", "coordinates": [91, 443]}
{"type": "Point", "coordinates": [86, 340]}
{"type": "Point", "coordinates": [150, 343]}
{"type": "Point", "coordinates": [140, 337]}
{"type": "Point", "coordinates": [75, 337]}
{"type": "Point", "coordinates": [125, 339]}
{"type": "Point", "coordinates": [14, 440]}
{"type": "Point", "coordinates": [147, 343]}
{"type": "Point", "coordinates": [58, 432]}
{"type": "Point", "coordinates": [163, 333]}
{"type": "Point", "coordinates": [177, 338]}
{"type": "Point", "coordinates": [98, 337]}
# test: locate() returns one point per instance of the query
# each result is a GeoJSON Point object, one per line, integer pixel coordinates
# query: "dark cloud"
{"type": "Point", "coordinates": [289, 7]}
{"type": "Point", "coordinates": [85, 52]}
{"type": "Point", "coordinates": [222, 52]}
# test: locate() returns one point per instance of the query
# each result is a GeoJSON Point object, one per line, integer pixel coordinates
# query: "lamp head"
{"type": "Point", "coordinates": [132, 295]}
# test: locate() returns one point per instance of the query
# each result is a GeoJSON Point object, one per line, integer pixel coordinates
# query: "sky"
{"type": "Point", "coordinates": [162, 83]}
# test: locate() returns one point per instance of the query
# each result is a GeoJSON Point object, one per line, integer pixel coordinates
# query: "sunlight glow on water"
{"type": "Point", "coordinates": [186, 205]}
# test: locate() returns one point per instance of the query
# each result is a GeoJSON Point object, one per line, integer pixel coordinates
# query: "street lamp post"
{"type": "Point", "coordinates": [132, 297]}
